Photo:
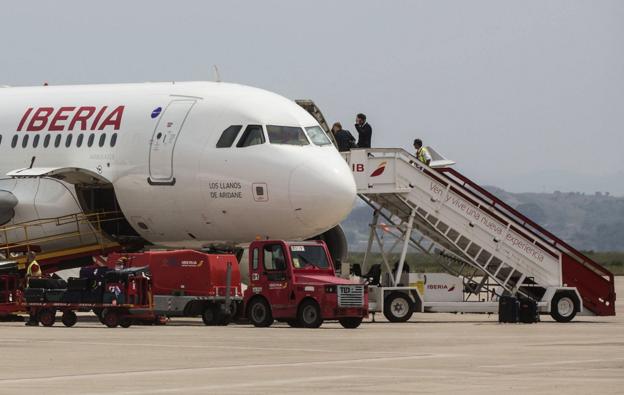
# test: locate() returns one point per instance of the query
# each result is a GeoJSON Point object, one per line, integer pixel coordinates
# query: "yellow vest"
{"type": "Point", "coordinates": [29, 271]}
{"type": "Point", "coordinates": [421, 154]}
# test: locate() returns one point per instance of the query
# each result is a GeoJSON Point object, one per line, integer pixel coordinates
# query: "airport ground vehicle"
{"type": "Point", "coordinates": [295, 282]}
{"type": "Point", "coordinates": [490, 248]}
{"type": "Point", "coordinates": [120, 299]}
{"type": "Point", "coordinates": [190, 283]}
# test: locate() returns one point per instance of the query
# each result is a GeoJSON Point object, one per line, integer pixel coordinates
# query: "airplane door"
{"type": "Point", "coordinates": [164, 139]}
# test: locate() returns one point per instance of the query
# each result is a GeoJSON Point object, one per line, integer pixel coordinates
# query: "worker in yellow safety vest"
{"type": "Point", "coordinates": [33, 271]}
{"type": "Point", "coordinates": [422, 153]}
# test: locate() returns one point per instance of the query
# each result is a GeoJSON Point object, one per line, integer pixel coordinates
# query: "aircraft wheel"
{"type": "Point", "coordinates": [398, 307]}
{"type": "Point", "coordinates": [260, 313]}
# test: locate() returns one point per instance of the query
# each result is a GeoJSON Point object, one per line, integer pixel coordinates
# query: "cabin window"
{"type": "Point", "coordinates": [36, 141]}
{"type": "Point", "coordinates": [79, 140]}
{"type": "Point", "coordinates": [113, 140]}
{"type": "Point", "coordinates": [318, 136]}
{"type": "Point", "coordinates": [287, 135]}
{"type": "Point", "coordinates": [102, 140]}
{"type": "Point", "coordinates": [91, 138]}
{"type": "Point", "coordinates": [254, 261]}
{"type": "Point", "coordinates": [228, 136]}
{"type": "Point", "coordinates": [46, 141]}
{"type": "Point", "coordinates": [68, 140]}
{"type": "Point", "coordinates": [253, 135]}
{"type": "Point", "coordinates": [273, 258]}
{"type": "Point", "coordinates": [25, 141]}
{"type": "Point", "coordinates": [14, 141]}
{"type": "Point", "coordinates": [57, 141]}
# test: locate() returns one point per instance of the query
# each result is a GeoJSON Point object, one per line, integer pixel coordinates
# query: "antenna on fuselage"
{"type": "Point", "coordinates": [217, 76]}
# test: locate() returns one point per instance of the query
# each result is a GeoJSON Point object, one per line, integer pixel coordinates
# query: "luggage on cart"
{"type": "Point", "coordinates": [47, 283]}
{"type": "Point", "coordinates": [528, 312]}
{"type": "Point", "coordinates": [78, 284]}
{"type": "Point", "coordinates": [508, 309]}
{"type": "Point", "coordinates": [93, 272]}
{"type": "Point", "coordinates": [54, 295]}
{"type": "Point", "coordinates": [34, 295]}
{"type": "Point", "coordinates": [73, 297]}
{"type": "Point", "coordinates": [93, 295]}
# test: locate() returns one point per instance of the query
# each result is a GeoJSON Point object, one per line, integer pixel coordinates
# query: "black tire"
{"type": "Point", "coordinates": [110, 318]}
{"type": "Point", "coordinates": [125, 322]}
{"type": "Point", "coordinates": [564, 306]}
{"type": "Point", "coordinates": [350, 322]}
{"type": "Point", "coordinates": [293, 324]}
{"type": "Point", "coordinates": [259, 313]}
{"type": "Point", "coordinates": [309, 314]}
{"type": "Point", "coordinates": [69, 318]}
{"type": "Point", "coordinates": [47, 317]}
{"type": "Point", "coordinates": [211, 315]}
{"type": "Point", "coordinates": [398, 307]}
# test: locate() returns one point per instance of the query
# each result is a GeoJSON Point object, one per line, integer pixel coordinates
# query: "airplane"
{"type": "Point", "coordinates": [188, 164]}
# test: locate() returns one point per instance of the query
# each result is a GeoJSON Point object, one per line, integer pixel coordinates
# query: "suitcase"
{"type": "Point", "coordinates": [508, 307]}
{"type": "Point", "coordinates": [528, 312]}
{"type": "Point", "coordinates": [34, 295]}
{"type": "Point", "coordinates": [47, 283]}
{"type": "Point", "coordinates": [72, 297]}
{"type": "Point", "coordinates": [93, 295]}
{"type": "Point", "coordinates": [95, 272]}
{"type": "Point", "coordinates": [54, 295]}
{"type": "Point", "coordinates": [78, 284]}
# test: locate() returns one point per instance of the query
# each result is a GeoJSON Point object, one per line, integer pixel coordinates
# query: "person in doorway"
{"type": "Point", "coordinates": [365, 131]}
{"type": "Point", "coordinates": [33, 270]}
{"type": "Point", "coordinates": [344, 138]}
{"type": "Point", "coordinates": [422, 153]}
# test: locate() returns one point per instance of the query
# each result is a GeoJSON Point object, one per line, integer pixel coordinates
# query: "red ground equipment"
{"type": "Point", "coordinates": [190, 283]}
{"type": "Point", "coordinates": [295, 282]}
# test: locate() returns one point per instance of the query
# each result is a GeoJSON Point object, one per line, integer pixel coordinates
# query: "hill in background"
{"type": "Point", "coordinates": [587, 222]}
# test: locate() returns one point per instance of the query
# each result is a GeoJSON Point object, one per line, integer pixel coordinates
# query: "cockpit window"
{"type": "Point", "coordinates": [318, 136]}
{"type": "Point", "coordinates": [228, 136]}
{"type": "Point", "coordinates": [286, 135]}
{"type": "Point", "coordinates": [253, 135]}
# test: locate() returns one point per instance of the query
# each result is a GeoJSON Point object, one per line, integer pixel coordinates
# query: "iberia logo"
{"type": "Point", "coordinates": [379, 170]}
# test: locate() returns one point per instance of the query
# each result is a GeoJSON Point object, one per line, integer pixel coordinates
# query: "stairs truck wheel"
{"type": "Point", "coordinates": [47, 317]}
{"type": "Point", "coordinates": [398, 307]}
{"type": "Point", "coordinates": [564, 306]}
{"type": "Point", "coordinates": [350, 322]}
{"type": "Point", "coordinates": [260, 313]}
{"type": "Point", "coordinates": [69, 318]}
{"type": "Point", "coordinates": [110, 318]}
{"type": "Point", "coordinates": [309, 314]}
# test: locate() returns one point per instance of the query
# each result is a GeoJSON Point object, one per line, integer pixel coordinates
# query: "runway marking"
{"type": "Point", "coordinates": [217, 368]}
{"type": "Point", "coordinates": [254, 384]}
{"type": "Point", "coordinates": [546, 363]}
{"type": "Point", "coordinates": [197, 346]}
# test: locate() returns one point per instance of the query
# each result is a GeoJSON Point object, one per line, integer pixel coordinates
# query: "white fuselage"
{"type": "Point", "coordinates": [172, 183]}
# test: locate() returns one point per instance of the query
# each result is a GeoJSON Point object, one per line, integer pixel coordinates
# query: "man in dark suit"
{"type": "Point", "coordinates": [364, 130]}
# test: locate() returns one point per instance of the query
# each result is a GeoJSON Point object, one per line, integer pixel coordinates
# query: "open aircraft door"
{"type": "Point", "coordinates": [164, 139]}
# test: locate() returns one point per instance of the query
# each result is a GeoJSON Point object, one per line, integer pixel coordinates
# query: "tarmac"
{"type": "Point", "coordinates": [441, 353]}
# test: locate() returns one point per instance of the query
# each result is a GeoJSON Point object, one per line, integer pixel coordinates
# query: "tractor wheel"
{"type": "Point", "coordinates": [398, 307]}
{"type": "Point", "coordinates": [47, 317]}
{"type": "Point", "coordinates": [260, 313]}
{"type": "Point", "coordinates": [69, 318]}
{"type": "Point", "coordinates": [350, 322]}
{"type": "Point", "coordinates": [309, 315]}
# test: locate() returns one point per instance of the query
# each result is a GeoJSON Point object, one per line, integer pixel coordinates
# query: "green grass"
{"type": "Point", "coordinates": [612, 261]}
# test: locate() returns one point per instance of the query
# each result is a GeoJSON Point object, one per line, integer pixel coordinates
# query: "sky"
{"type": "Point", "coordinates": [524, 95]}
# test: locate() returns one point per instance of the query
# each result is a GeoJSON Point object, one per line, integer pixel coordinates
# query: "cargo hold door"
{"type": "Point", "coordinates": [163, 142]}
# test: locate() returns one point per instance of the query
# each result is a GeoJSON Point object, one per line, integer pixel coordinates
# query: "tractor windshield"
{"type": "Point", "coordinates": [309, 257]}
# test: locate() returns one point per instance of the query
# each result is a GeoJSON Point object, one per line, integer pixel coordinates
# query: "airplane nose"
{"type": "Point", "coordinates": [322, 193]}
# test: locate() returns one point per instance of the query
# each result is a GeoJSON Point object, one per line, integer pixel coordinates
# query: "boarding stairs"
{"type": "Point", "coordinates": [493, 247]}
